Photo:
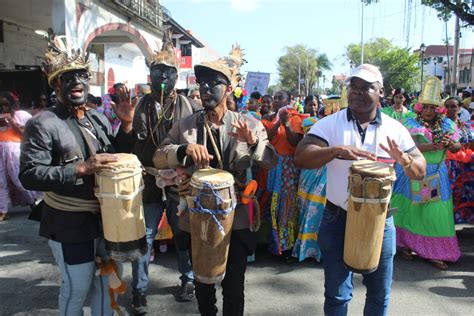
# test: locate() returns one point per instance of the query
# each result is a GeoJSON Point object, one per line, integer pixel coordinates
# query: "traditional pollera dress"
{"type": "Point", "coordinates": [461, 173]}
{"type": "Point", "coordinates": [282, 184]}
{"type": "Point", "coordinates": [311, 199]}
{"type": "Point", "coordinates": [425, 221]}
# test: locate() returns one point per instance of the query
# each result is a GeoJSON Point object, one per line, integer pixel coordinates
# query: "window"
{"type": "Point", "coordinates": [186, 50]}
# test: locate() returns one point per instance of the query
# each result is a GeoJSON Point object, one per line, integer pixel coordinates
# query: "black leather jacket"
{"type": "Point", "coordinates": [52, 145]}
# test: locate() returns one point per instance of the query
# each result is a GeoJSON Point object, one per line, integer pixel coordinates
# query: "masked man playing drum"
{"type": "Point", "coordinates": [359, 132]}
{"type": "Point", "coordinates": [62, 148]}
{"type": "Point", "coordinates": [219, 138]}
{"type": "Point", "coordinates": [155, 114]}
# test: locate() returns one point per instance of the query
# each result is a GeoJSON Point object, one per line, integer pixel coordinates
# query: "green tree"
{"type": "Point", "coordinates": [288, 68]}
{"type": "Point", "coordinates": [399, 66]}
{"type": "Point", "coordinates": [446, 8]}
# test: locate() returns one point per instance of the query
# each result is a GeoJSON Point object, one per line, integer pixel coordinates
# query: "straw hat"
{"type": "Point", "coordinates": [431, 93]}
{"type": "Point", "coordinates": [229, 66]}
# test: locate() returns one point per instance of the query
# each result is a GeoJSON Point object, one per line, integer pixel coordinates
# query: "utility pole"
{"type": "Point", "coordinates": [454, 86]}
{"type": "Point", "coordinates": [307, 76]}
{"type": "Point", "coordinates": [362, 36]}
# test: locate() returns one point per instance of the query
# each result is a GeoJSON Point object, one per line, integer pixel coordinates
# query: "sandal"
{"type": "Point", "coordinates": [406, 254]}
{"type": "Point", "coordinates": [440, 265]}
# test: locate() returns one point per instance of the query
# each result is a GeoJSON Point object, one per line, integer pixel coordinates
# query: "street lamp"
{"type": "Point", "coordinates": [422, 52]}
{"type": "Point", "coordinates": [299, 72]}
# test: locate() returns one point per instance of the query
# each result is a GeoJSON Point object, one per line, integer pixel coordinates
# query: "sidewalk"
{"type": "Point", "coordinates": [29, 282]}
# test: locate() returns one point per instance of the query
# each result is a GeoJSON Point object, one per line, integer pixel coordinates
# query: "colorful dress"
{"type": "Point", "coordinates": [425, 221]}
{"type": "Point", "coordinates": [12, 192]}
{"type": "Point", "coordinates": [282, 184]}
{"type": "Point", "coordinates": [311, 199]}
{"type": "Point", "coordinates": [109, 112]}
{"type": "Point", "coordinates": [390, 111]}
{"type": "Point", "coordinates": [461, 173]}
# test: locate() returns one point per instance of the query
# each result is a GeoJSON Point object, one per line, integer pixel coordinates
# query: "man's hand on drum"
{"type": "Point", "coordinates": [353, 153]}
{"type": "Point", "coordinates": [95, 163]}
{"type": "Point", "coordinates": [243, 133]}
{"type": "Point", "coordinates": [394, 151]}
{"type": "Point", "coordinates": [199, 154]}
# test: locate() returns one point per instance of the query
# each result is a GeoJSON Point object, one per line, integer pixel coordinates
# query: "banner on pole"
{"type": "Point", "coordinates": [257, 81]}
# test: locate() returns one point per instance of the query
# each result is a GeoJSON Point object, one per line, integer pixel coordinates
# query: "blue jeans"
{"type": "Point", "coordinates": [153, 213]}
{"type": "Point", "coordinates": [78, 279]}
{"type": "Point", "coordinates": [338, 280]}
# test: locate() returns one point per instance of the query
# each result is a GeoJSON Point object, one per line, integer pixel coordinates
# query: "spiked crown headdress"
{"type": "Point", "coordinates": [167, 54]}
{"type": "Point", "coordinates": [62, 57]}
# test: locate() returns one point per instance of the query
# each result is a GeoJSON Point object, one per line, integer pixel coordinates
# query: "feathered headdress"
{"type": "Point", "coordinates": [229, 66]}
{"type": "Point", "coordinates": [62, 57]}
{"type": "Point", "coordinates": [167, 54]}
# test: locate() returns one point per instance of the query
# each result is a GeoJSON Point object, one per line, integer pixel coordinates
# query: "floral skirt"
{"type": "Point", "coordinates": [461, 176]}
{"type": "Point", "coordinates": [282, 184]}
{"type": "Point", "coordinates": [310, 202]}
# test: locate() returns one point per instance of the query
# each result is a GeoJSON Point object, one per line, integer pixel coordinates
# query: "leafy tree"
{"type": "Point", "coordinates": [288, 68]}
{"type": "Point", "coordinates": [399, 67]}
{"type": "Point", "coordinates": [462, 8]}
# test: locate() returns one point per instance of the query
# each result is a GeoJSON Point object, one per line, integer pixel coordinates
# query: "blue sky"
{"type": "Point", "coordinates": [265, 27]}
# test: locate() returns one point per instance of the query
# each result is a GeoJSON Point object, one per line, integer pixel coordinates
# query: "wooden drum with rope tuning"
{"type": "Point", "coordinates": [211, 206]}
{"type": "Point", "coordinates": [119, 191]}
{"type": "Point", "coordinates": [370, 186]}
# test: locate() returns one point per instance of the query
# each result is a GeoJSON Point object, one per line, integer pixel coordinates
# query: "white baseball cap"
{"type": "Point", "coordinates": [367, 72]}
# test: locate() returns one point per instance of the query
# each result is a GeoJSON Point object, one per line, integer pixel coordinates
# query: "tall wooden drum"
{"type": "Point", "coordinates": [211, 213]}
{"type": "Point", "coordinates": [370, 185]}
{"type": "Point", "coordinates": [119, 191]}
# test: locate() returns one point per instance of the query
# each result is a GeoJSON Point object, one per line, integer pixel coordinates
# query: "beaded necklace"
{"type": "Point", "coordinates": [434, 127]}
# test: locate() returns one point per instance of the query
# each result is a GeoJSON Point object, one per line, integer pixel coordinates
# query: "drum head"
{"type": "Point", "coordinates": [216, 177]}
{"type": "Point", "coordinates": [125, 160]}
{"type": "Point", "coordinates": [372, 168]}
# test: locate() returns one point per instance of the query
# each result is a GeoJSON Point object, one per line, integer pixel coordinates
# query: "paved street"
{"type": "Point", "coordinates": [29, 281]}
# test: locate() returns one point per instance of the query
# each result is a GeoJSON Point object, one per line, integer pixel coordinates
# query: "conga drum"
{"type": "Point", "coordinates": [211, 213]}
{"type": "Point", "coordinates": [119, 191]}
{"type": "Point", "coordinates": [370, 185]}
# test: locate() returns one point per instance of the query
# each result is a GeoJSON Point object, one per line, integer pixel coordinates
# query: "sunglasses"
{"type": "Point", "coordinates": [69, 77]}
{"type": "Point", "coordinates": [211, 83]}
{"type": "Point", "coordinates": [156, 72]}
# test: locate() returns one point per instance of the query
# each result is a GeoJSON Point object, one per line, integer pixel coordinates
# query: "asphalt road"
{"type": "Point", "coordinates": [29, 281]}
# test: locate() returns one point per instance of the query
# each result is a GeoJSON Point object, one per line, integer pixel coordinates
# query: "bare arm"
{"type": "Point", "coordinates": [293, 137]}
{"type": "Point", "coordinates": [271, 132]}
{"type": "Point", "coordinates": [313, 153]}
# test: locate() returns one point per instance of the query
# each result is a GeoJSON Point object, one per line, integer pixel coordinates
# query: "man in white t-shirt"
{"type": "Point", "coordinates": [359, 132]}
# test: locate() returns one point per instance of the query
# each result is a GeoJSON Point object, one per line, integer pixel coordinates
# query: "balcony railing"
{"type": "Point", "coordinates": [149, 11]}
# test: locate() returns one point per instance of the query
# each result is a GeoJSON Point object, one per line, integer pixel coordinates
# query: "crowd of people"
{"type": "Point", "coordinates": [298, 150]}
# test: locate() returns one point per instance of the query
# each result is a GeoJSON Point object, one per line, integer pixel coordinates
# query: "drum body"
{"type": "Point", "coordinates": [119, 191]}
{"type": "Point", "coordinates": [370, 185]}
{"type": "Point", "coordinates": [211, 213]}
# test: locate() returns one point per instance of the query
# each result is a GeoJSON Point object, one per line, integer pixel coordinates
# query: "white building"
{"type": "Point", "coordinates": [120, 34]}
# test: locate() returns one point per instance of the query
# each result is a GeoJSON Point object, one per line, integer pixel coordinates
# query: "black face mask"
{"type": "Point", "coordinates": [163, 78]}
{"type": "Point", "coordinates": [74, 87]}
{"type": "Point", "coordinates": [212, 88]}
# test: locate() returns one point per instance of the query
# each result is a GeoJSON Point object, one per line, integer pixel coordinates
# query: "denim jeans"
{"type": "Point", "coordinates": [153, 213]}
{"type": "Point", "coordinates": [338, 280]}
{"type": "Point", "coordinates": [78, 280]}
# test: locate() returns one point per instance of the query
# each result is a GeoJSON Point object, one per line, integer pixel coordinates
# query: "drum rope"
{"type": "Point", "coordinates": [365, 181]}
{"type": "Point", "coordinates": [201, 209]}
